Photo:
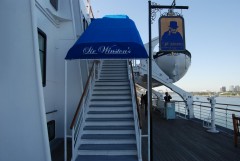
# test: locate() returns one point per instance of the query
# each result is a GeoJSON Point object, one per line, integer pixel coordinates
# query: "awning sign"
{"type": "Point", "coordinates": [110, 37]}
{"type": "Point", "coordinates": [171, 33]}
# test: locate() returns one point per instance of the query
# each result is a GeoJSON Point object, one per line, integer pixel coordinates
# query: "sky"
{"type": "Point", "coordinates": [212, 36]}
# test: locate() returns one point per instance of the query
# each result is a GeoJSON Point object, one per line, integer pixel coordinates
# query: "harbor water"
{"type": "Point", "coordinates": [225, 107]}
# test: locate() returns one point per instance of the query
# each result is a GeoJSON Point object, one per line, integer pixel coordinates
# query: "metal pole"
{"type": "Point", "coordinates": [65, 115]}
{"type": "Point", "coordinates": [150, 149]}
{"type": "Point", "coordinates": [150, 7]}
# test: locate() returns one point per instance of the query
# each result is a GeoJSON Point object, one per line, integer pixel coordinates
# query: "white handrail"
{"type": "Point", "coordinates": [136, 118]}
{"type": "Point", "coordinates": [76, 126]}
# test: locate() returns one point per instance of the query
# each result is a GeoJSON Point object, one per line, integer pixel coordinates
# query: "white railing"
{"type": "Point", "coordinates": [79, 116]}
{"type": "Point", "coordinates": [180, 108]}
{"type": "Point", "coordinates": [136, 111]}
{"type": "Point", "coordinates": [223, 113]}
{"type": "Point", "coordinates": [202, 111]}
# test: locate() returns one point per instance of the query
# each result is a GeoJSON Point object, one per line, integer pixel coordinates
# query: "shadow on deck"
{"type": "Point", "coordinates": [186, 140]}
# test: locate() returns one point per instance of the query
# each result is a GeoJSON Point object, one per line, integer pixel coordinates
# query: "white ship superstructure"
{"type": "Point", "coordinates": [35, 37]}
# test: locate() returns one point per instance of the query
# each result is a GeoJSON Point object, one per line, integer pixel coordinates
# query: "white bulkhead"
{"type": "Point", "coordinates": [28, 105]}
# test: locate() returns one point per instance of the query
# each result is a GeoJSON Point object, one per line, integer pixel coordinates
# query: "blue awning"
{"type": "Point", "coordinates": [110, 37]}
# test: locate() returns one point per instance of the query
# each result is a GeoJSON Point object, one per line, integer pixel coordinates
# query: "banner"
{"type": "Point", "coordinates": [171, 33]}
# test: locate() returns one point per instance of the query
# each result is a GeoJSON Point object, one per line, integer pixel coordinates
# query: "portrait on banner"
{"type": "Point", "coordinates": [171, 33]}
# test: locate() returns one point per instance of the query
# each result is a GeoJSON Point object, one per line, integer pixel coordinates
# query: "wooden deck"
{"type": "Point", "coordinates": [178, 140]}
{"type": "Point", "coordinates": [186, 140]}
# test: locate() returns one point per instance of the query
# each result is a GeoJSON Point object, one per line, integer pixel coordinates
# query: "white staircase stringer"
{"type": "Point", "coordinates": [81, 120]}
{"type": "Point", "coordinates": [138, 131]}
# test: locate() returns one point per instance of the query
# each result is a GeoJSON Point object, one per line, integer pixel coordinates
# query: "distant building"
{"type": "Point", "coordinates": [223, 89]}
{"type": "Point", "coordinates": [237, 88]}
{"type": "Point", "coordinates": [231, 88]}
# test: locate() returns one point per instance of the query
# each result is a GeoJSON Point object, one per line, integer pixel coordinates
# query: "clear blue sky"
{"type": "Point", "coordinates": [212, 30]}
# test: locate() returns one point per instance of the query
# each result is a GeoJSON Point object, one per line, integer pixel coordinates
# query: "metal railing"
{"type": "Point", "coordinates": [79, 115]}
{"type": "Point", "coordinates": [202, 111]}
{"type": "Point", "coordinates": [223, 112]}
{"type": "Point", "coordinates": [180, 108]}
{"type": "Point", "coordinates": [136, 111]}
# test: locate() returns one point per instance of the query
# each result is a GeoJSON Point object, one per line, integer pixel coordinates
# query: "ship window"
{"type": "Point", "coordinates": [51, 129]}
{"type": "Point", "coordinates": [42, 39]}
{"type": "Point", "coordinates": [54, 3]}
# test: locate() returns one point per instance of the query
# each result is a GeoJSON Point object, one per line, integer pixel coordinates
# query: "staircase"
{"type": "Point", "coordinates": [109, 132]}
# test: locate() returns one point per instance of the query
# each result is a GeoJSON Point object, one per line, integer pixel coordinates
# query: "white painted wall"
{"type": "Point", "coordinates": [23, 100]}
{"type": "Point", "coordinates": [23, 127]}
{"type": "Point", "coordinates": [58, 26]}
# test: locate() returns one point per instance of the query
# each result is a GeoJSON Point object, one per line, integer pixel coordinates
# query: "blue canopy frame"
{"type": "Point", "coordinates": [110, 37]}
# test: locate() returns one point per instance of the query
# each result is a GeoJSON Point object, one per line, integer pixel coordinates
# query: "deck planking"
{"type": "Point", "coordinates": [187, 140]}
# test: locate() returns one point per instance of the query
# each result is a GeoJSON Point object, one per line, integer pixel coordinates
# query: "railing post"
{"type": "Point", "coordinates": [213, 126]}
{"type": "Point", "coordinates": [226, 115]}
{"type": "Point", "coordinates": [187, 113]}
{"type": "Point", "coordinates": [140, 143]}
{"type": "Point", "coordinates": [200, 111]}
{"type": "Point", "coordinates": [94, 72]}
{"type": "Point", "coordinates": [73, 142]}
{"type": "Point", "coordinates": [65, 114]}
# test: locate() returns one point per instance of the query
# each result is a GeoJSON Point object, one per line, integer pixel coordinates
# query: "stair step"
{"type": "Point", "coordinates": [109, 141]}
{"type": "Point", "coordinates": [114, 69]}
{"type": "Point", "coordinates": [111, 112]}
{"type": "Point", "coordinates": [113, 95]}
{"type": "Point", "coordinates": [113, 109]}
{"type": "Point", "coordinates": [110, 103]}
{"type": "Point", "coordinates": [108, 132]}
{"type": "Point", "coordinates": [107, 147]}
{"type": "Point", "coordinates": [114, 66]}
{"type": "Point", "coordinates": [107, 152]}
{"type": "Point", "coordinates": [113, 78]}
{"type": "Point", "coordinates": [106, 71]}
{"type": "Point", "coordinates": [107, 158]}
{"type": "Point", "coordinates": [111, 99]}
{"type": "Point", "coordinates": [115, 63]}
{"type": "Point", "coordinates": [122, 105]}
{"type": "Point", "coordinates": [113, 72]}
{"type": "Point", "coordinates": [108, 128]}
{"type": "Point", "coordinates": [109, 123]}
{"type": "Point", "coordinates": [112, 89]}
{"type": "Point", "coordinates": [112, 92]}
{"type": "Point", "coordinates": [109, 115]}
{"type": "Point", "coordinates": [112, 85]}
{"type": "Point", "coordinates": [117, 77]}
{"type": "Point", "coordinates": [108, 119]}
{"type": "Point", "coordinates": [115, 81]}
{"type": "Point", "coordinates": [109, 136]}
